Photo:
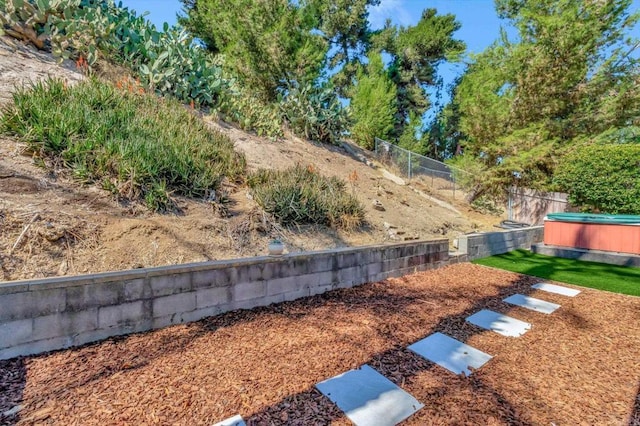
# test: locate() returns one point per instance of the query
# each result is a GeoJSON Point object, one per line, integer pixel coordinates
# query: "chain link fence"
{"type": "Point", "coordinates": [437, 174]}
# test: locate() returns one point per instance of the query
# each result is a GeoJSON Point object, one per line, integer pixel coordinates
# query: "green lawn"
{"type": "Point", "coordinates": [618, 279]}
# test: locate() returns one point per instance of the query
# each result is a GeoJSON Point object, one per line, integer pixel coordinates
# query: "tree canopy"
{"type": "Point", "coordinates": [272, 45]}
{"type": "Point", "coordinates": [266, 44]}
{"type": "Point", "coordinates": [373, 103]}
{"type": "Point", "coordinates": [569, 78]}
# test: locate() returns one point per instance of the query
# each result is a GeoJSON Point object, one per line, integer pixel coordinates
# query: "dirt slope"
{"type": "Point", "coordinates": [51, 225]}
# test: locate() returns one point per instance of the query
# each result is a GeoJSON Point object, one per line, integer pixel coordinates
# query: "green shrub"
{"type": "Point", "coordinates": [602, 178]}
{"type": "Point", "coordinates": [314, 113]}
{"type": "Point", "coordinates": [300, 195]}
{"type": "Point", "coordinates": [130, 142]}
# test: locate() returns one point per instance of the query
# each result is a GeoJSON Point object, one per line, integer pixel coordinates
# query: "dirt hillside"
{"type": "Point", "coordinates": [51, 225]}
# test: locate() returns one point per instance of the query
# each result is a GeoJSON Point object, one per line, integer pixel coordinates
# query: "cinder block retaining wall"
{"type": "Point", "coordinates": [43, 315]}
{"type": "Point", "coordinates": [490, 243]}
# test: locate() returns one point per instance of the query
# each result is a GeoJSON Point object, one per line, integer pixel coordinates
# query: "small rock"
{"type": "Point", "coordinates": [15, 410]}
{"type": "Point", "coordinates": [387, 225]}
{"type": "Point", "coordinates": [378, 205]}
{"type": "Point", "coordinates": [63, 268]}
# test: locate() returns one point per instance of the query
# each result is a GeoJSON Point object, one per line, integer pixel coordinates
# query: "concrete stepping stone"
{"type": "Point", "coordinates": [368, 398]}
{"type": "Point", "coordinates": [450, 353]}
{"type": "Point", "coordinates": [232, 421]}
{"type": "Point", "coordinates": [501, 324]}
{"type": "Point", "coordinates": [532, 303]}
{"type": "Point", "coordinates": [557, 289]}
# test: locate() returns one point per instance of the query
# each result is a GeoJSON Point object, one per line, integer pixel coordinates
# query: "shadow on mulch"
{"type": "Point", "coordinates": [634, 420]}
{"type": "Point", "coordinates": [13, 377]}
{"type": "Point", "coordinates": [13, 372]}
{"type": "Point", "coordinates": [400, 365]}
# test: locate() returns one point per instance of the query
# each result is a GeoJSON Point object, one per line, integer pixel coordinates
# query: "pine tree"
{"type": "Point", "coordinates": [569, 77]}
{"type": "Point", "coordinates": [373, 104]}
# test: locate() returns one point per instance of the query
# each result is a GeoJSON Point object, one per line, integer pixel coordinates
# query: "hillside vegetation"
{"type": "Point", "coordinates": [125, 140]}
{"type": "Point", "coordinates": [54, 224]}
{"type": "Point", "coordinates": [570, 78]}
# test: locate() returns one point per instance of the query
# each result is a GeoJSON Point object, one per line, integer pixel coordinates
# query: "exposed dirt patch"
{"type": "Point", "coordinates": [100, 234]}
{"type": "Point", "coordinates": [21, 65]}
{"type": "Point", "coordinates": [575, 366]}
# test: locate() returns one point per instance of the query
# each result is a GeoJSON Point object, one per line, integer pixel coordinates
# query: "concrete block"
{"type": "Point", "coordinates": [33, 348]}
{"type": "Point", "coordinates": [226, 277]}
{"type": "Point", "coordinates": [64, 324]}
{"type": "Point", "coordinates": [208, 297]}
{"type": "Point", "coordinates": [8, 288]}
{"type": "Point", "coordinates": [177, 303]}
{"type": "Point", "coordinates": [376, 255]}
{"type": "Point", "coordinates": [346, 260]}
{"type": "Point", "coordinates": [294, 295]}
{"type": "Point", "coordinates": [32, 304]}
{"type": "Point", "coordinates": [382, 276]}
{"type": "Point", "coordinates": [248, 291]}
{"type": "Point", "coordinates": [89, 296]}
{"type": "Point", "coordinates": [319, 278]}
{"type": "Point", "coordinates": [373, 269]}
{"type": "Point", "coordinates": [199, 314]}
{"type": "Point", "coordinates": [124, 314]}
{"type": "Point", "coordinates": [298, 266]}
{"type": "Point", "coordinates": [353, 275]}
{"type": "Point", "coordinates": [14, 333]}
{"type": "Point", "coordinates": [275, 299]}
{"type": "Point", "coordinates": [250, 273]}
{"type": "Point", "coordinates": [166, 321]}
{"type": "Point", "coordinates": [249, 304]}
{"type": "Point", "coordinates": [391, 253]}
{"type": "Point", "coordinates": [320, 289]}
{"type": "Point", "coordinates": [179, 318]}
{"type": "Point", "coordinates": [136, 289]}
{"type": "Point", "coordinates": [321, 263]}
{"type": "Point", "coordinates": [163, 285]}
{"type": "Point", "coordinates": [97, 335]}
{"type": "Point", "coordinates": [418, 259]}
{"type": "Point", "coordinates": [410, 250]}
{"type": "Point", "coordinates": [283, 285]}
{"type": "Point", "coordinates": [394, 264]}
{"type": "Point", "coordinates": [268, 270]}
{"type": "Point", "coordinates": [206, 278]}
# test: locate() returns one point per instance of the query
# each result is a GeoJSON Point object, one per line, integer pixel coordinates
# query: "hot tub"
{"type": "Point", "coordinates": [615, 233]}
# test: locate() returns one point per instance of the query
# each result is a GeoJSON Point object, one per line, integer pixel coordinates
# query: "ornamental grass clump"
{"type": "Point", "coordinates": [127, 140]}
{"type": "Point", "coordinates": [300, 195]}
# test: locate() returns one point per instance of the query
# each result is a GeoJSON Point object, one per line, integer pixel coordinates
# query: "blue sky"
{"type": "Point", "coordinates": [480, 24]}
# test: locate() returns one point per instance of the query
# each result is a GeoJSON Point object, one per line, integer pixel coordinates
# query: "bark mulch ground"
{"type": "Point", "coordinates": [578, 365]}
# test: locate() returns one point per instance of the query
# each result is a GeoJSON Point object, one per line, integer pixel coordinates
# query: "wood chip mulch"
{"type": "Point", "coordinates": [579, 365]}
